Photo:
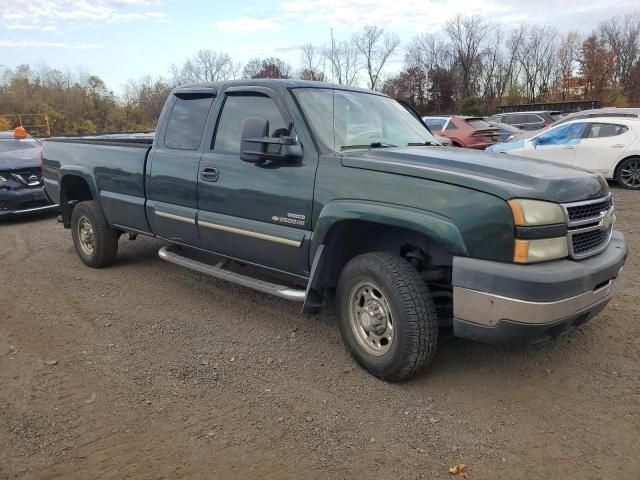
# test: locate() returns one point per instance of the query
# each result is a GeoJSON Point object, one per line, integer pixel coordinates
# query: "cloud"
{"type": "Point", "coordinates": [431, 15]}
{"type": "Point", "coordinates": [35, 13]}
{"type": "Point", "coordinates": [38, 44]}
{"type": "Point", "coordinates": [247, 24]}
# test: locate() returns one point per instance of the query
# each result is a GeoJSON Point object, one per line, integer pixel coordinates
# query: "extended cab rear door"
{"type": "Point", "coordinates": [172, 171]}
{"type": "Point", "coordinates": [256, 212]}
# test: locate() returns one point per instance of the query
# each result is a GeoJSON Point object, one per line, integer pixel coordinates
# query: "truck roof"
{"type": "Point", "coordinates": [268, 82]}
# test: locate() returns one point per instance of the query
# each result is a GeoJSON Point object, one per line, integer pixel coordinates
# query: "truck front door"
{"type": "Point", "coordinates": [259, 213]}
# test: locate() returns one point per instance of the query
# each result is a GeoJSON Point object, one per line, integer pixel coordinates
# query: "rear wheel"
{"type": "Point", "coordinates": [387, 317]}
{"type": "Point", "coordinates": [95, 241]}
{"type": "Point", "coordinates": [628, 173]}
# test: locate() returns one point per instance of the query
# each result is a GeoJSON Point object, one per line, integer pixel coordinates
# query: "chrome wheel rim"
{"type": "Point", "coordinates": [85, 236]}
{"type": "Point", "coordinates": [630, 174]}
{"type": "Point", "coordinates": [370, 318]}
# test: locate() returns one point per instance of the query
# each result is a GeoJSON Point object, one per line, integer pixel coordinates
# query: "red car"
{"type": "Point", "coordinates": [468, 132]}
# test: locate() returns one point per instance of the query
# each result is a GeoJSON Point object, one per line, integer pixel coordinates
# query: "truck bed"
{"type": "Point", "coordinates": [113, 165]}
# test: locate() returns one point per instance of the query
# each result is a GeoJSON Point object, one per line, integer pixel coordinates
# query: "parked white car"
{"type": "Point", "coordinates": [608, 145]}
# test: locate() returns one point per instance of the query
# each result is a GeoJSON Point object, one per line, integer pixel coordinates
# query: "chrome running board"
{"type": "Point", "coordinates": [165, 253]}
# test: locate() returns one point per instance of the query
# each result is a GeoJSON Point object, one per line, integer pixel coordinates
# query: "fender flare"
{"type": "Point", "coordinates": [437, 227]}
{"type": "Point", "coordinates": [83, 173]}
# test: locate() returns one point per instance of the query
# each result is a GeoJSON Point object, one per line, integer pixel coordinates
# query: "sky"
{"type": "Point", "coordinates": [122, 39]}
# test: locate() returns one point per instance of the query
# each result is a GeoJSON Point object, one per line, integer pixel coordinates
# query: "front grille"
{"type": "Point", "coordinates": [24, 174]}
{"type": "Point", "coordinates": [590, 226]}
{"type": "Point", "coordinates": [588, 210]}
{"type": "Point", "coordinates": [586, 242]}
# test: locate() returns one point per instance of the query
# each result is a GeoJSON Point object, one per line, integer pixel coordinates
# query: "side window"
{"type": "Point", "coordinates": [515, 119]}
{"type": "Point", "coordinates": [601, 130]}
{"type": "Point", "coordinates": [564, 135]}
{"type": "Point", "coordinates": [534, 119]}
{"type": "Point", "coordinates": [237, 108]}
{"type": "Point", "coordinates": [186, 121]}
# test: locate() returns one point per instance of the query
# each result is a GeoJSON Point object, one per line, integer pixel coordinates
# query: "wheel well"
{"type": "Point", "coordinates": [615, 170]}
{"type": "Point", "coordinates": [351, 238]}
{"type": "Point", "coordinates": [73, 189]}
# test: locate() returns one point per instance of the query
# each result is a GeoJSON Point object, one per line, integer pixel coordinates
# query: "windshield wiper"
{"type": "Point", "coordinates": [371, 145]}
{"type": "Point", "coordinates": [423, 144]}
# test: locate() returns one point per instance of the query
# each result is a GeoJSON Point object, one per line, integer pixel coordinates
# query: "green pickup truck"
{"type": "Point", "coordinates": [307, 190]}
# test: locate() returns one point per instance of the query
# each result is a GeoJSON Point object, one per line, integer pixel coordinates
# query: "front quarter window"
{"type": "Point", "coordinates": [342, 120]}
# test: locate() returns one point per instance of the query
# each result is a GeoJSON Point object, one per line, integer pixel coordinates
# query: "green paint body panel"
{"type": "Point", "coordinates": [455, 197]}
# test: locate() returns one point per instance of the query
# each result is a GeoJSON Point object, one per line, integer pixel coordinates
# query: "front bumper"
{"type": "Point", "coordinates": [505, 303]}
{"type": "Point", "coordinates": [24, 200]}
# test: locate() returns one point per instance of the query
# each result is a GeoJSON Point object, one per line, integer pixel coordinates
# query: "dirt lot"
{"type": "Point", "coordinates": [148, 370]}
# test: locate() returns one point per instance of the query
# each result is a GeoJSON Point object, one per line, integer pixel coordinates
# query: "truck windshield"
{"type": "Point", "coordinates": [343, 120]}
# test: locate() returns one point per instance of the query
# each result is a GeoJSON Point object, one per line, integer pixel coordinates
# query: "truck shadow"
{"type": "Point", "coordinates": [454, 356]}
{"type": "Point", "coordinates": [27, 218]}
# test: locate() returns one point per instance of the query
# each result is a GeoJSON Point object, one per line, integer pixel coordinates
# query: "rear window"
{"type": "Point", "coordinates": [186, 121]}
{"type": "Point", "coordinates": [477, 123]}
{"type": "Point", "coordinates": [13, 144]}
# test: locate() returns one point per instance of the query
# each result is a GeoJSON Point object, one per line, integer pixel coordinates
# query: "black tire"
{"type": "Point", "coordinates": [104, 238]}
{"type": "Point", "coordinates": [627, 173]}
{"type": "Point", "coordinates": [414, 319]}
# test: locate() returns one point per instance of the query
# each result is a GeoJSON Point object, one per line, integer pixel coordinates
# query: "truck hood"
{"type": "Point", "coordinates": [19, 159]}
{"type": "Point", "coordinates": [504, 176]}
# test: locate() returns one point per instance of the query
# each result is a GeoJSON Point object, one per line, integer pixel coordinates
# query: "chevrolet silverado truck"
{"type": "Point", "coordinates": [311, 191]}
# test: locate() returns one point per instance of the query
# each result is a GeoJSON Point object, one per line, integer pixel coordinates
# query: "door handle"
{"type": "Point", "coordinates": [617, 145]}
{"type": "Point", "coordinates": [209, 174]}
{"type": "Point", "coordinates": [568, 147]}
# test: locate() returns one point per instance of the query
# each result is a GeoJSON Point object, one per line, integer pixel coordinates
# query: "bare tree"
{"type": "Point", "coordinates": [622, 35]}
{"type": "Point", "coordinates": [204, 66]}
{"type": "Point", "coordinates": [266, 68]}
{"type": "Point", "coordinates": [376, 48]}
{"type": "Point", "coordinates": [467, 34]}
{"type": "Point", "coordinates": [344, 60]}
{"type": "Point", "coordinates": [536, 57]}
{"type": "Point", "coordinates": [312, 63]}
{"type": "Point", "coordinates": [566, 62]}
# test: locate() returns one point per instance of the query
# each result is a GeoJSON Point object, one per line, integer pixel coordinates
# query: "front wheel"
{"type": "Point", "coordinates": [628, 173]}
{"type": "Point", "coordinates": [95, 241]}
{"type": "Point", "coordinates": [387, 317]}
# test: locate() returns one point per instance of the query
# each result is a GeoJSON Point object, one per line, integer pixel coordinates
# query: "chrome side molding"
{"type": "Point", "coordinates": [218, 271]}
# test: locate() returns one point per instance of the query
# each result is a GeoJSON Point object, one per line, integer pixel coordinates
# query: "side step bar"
{"type": "Point", "coordinates": [165, 253]}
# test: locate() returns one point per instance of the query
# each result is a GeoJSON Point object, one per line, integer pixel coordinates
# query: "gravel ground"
{"type": "Point", "coordinates": [149, 370]}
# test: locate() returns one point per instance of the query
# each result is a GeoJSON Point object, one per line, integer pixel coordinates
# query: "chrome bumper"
{"type": "Point", "coordinates": [489, 309]}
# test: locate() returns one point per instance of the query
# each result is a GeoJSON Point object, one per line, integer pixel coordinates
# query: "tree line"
{"type": "Point", "coordinates": [470, 67]}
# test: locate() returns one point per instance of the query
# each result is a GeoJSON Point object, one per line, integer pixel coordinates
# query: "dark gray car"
{"type": "Point", "coordinates": [527, 120]}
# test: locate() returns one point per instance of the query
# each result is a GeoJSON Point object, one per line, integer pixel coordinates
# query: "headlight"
{"type": "Point", "coordinates": [2, 181]}
{"type": "Point", "coordinates": [534, 217]}
{"type": "Point", "coordinates": [531, 251]}
{"type": "Point", "coordinates": [535, 212]}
